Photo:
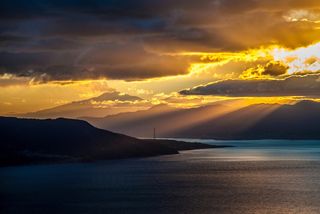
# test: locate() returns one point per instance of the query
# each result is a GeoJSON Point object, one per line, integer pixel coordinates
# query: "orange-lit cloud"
{"type": "Point", "coordinates": [303, 16]}
{"type": "Point", "coordinates": [52, 55]}
{"type": "Point", "coordinates": [300, 60]}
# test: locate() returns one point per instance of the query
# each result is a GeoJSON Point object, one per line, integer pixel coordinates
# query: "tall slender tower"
{"type": "Point", "coordinates": [154, 133]}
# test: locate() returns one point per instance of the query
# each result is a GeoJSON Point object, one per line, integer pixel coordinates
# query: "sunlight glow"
{"type": "Point", "coordinates": [205, 67]}
{"type": "Point", "coordinates": [304, 59]}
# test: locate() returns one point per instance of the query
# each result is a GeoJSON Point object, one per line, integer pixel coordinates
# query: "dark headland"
{"type": "Point", "coordinates": [27, 141]}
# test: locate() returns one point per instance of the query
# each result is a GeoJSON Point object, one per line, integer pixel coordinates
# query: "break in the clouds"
{"type": "Point", "coordinates": [134, 39]}
{"type": "Point", "coordinates": [308, 85]}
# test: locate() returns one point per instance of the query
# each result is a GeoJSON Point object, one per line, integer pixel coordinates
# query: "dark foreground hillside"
{"type": "Point", "coordinates": [32, 141]}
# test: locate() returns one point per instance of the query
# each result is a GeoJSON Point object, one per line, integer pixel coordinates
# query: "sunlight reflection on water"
{"type": "Point", "coordinates": [262, 150]}
{"type": "Point", "coordinates": [244, 179]}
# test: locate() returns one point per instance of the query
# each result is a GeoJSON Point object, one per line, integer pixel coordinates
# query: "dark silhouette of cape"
{"type": "Point", "coordinates": [260, 121]}
{"type": "Point", "coordinates": [33, 140]}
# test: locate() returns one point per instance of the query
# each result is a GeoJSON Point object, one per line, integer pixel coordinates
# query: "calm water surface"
{"type": "Point", "coordinates": [254, 177]}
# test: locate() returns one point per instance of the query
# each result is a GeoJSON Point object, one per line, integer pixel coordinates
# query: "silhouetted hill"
{"type": "Point", "coordinates": [260, 121]}
{"type": "Point", "coordinates": [32, 140]}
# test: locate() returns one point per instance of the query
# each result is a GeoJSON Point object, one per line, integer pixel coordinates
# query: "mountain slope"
{"type": "Point", "coordinates": [165, 119]}
{"type": "Point", "coordinates": [263, 121]}
{"type": "Point", "coordinates": [300, 121]}
{"type": "Point", "coordinates": [31, 140]}
{"type": "Point", "coordinates": [259, 121]}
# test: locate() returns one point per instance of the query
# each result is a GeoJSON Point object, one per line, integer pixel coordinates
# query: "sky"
{"type": "Point", "coordinates": [184, 53]}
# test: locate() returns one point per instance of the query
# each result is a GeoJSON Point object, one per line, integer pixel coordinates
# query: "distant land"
{"type": "Point", "coordinates": [106, 104]}
{"type": "Point", "coordinates": [220, 121]}
{"type": "Point", "coordinates": [26, 141]}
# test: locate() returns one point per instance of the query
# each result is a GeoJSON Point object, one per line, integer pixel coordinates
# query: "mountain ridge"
{"type": "Point", "coordinates": [258, 121]}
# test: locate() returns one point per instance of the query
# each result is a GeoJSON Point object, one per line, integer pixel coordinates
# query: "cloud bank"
{"type": "Point", "coordinates": [308, 85]}
{"type": "Point", "coordinates": [127, 40]}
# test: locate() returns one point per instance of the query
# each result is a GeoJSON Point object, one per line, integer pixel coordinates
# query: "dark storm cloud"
{"type": "Point", "coordinates": [107, 60]}
{"type": "Point", "coordinates": [275, 69]}
{"type": "Point", "coordinates": [49, 34]}
{"type": "Point", "coordinates": [308, 85]}
{"type": "Point", "coordinates": [265, 69]}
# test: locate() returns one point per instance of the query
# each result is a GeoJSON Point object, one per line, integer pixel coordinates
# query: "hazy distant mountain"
{"type": "Point", "coordinates": [263, 121]}
{"type": "Point", "coordinates": [300, 121]}
{"type": "Point", "coordinates": [260, 121]}
{"type": "Point", "coordinates": [33, 140]}
{"type": "Point", "coordinates": [139, 123]}
{"type": "Point", "coordinates": [165, 119]}
{"type": "Point", "coordinates": [103, 105]}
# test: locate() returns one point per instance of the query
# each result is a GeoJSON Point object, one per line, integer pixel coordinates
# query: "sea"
{"type": "Point", "coordinates": [259, 176]}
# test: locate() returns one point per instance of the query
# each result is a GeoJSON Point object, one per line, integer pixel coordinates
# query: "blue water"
{"type": "Point", "coordinates": [253, 177]}
{"type": "Point", "coordinates": [264, 149]}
